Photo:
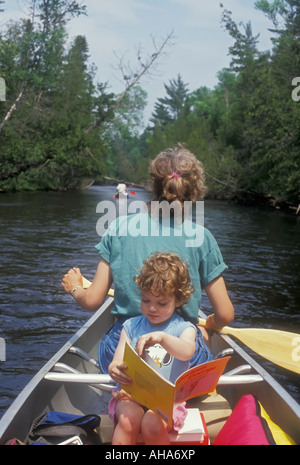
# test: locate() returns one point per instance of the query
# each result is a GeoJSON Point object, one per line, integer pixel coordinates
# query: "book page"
{"type": "Point", "coordinates": [148, 388]}
{"type": "Point", "coordinates": [199, 380]}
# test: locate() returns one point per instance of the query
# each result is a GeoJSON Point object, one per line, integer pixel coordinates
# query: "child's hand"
{"type": "Point", "coordinates": [148, 340]}
{"type": "Point", "coordinates": [116, 372]}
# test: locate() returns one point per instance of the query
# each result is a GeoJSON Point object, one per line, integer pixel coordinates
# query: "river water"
{"type": "Point", "coordinates": [44, 234]}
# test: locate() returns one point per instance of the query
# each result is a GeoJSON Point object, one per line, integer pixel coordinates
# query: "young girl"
{"type": "Point", "coordinates": [176, 176]}
{"type": "Point", "coordinates": [163, 334]}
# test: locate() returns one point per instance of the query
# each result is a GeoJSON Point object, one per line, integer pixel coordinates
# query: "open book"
{"type": "Point", "coordinates": [158, 394]}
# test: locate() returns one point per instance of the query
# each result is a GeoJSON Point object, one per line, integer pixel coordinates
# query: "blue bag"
{"type": "Point", "coordinates": [52, 428]}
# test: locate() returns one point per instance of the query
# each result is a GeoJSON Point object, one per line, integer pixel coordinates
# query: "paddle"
{"type": "Point", "coordinates": [86, 283]}
{"type": "Point", "coordinates": [279, 347]}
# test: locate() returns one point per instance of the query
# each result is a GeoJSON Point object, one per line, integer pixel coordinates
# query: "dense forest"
{"type": "Point", "coordinates": [59, 129]}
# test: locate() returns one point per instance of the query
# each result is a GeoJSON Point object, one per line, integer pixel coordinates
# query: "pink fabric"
{"type": "Point", "coordinates": [243, 427]}
{"type": "Point", "coordinates": [112, 408]}
{"type": "Point", "coordinates": [179, 414]}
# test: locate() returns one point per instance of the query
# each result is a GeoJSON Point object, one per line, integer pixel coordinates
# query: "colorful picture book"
{"type": "Point", "coordinates": [155, 392]}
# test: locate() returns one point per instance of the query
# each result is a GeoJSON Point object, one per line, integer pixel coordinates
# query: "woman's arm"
{"type": "Point", "coordinates": [93, 297]}
{"type": "Point", "coordinates": [221, 304]}
{"type": "Point", "coordinates": [182, 348]}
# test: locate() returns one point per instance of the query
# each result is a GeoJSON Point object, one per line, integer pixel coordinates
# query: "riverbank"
{"type": "Point", "coordinates": [252, 198]}
{"type": "Point", "coordinates": [249, 198]}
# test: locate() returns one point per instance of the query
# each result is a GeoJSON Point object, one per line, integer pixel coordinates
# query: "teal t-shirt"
{"type": "Point", "coordinates": [129, 240]}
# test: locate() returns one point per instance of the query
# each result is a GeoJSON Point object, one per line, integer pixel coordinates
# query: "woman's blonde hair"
{"type": "Point", "coordinates": [177, 175]}
{"type": "Point", "coordinates": [166, 274]}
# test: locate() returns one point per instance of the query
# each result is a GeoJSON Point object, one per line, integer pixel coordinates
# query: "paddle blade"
{"type": "Point", "coordinates": [132, 192]}
{"type": "Point", "coordinates": [279, 347]}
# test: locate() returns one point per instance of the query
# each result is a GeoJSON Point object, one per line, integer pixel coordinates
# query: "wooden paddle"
{"type": "Point", "coordinates": [87, 283]}
{"type": "Point", "coordinates": [280, 347]}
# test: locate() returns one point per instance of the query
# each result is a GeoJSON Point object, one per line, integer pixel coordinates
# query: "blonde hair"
{"type": "Point", "coordinates": [166, 274]}
{"type": "Point", "coordinates": [177, 175]}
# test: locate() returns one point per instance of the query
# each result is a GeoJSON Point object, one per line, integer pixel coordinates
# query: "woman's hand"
{"type": "Point", "coordinates": [116, 372]}
{"type": "Point", "coordinates": [72, 279]}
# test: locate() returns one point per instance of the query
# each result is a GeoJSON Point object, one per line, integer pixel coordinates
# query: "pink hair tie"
{"type": "Point", "coordinates": [174, 175]}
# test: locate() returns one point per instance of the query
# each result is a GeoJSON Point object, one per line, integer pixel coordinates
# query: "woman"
{"type": "Point", "coordinates": [177, 179]}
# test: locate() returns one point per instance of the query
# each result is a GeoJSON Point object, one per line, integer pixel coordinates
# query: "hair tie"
{"type": "Point", "coordinates": [174, 175]}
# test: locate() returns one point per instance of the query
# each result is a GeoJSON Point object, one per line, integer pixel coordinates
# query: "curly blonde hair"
{"type": "Point", "coordinates": [166, 274]}
{"type": "Point", "coordinates": [177, 175]}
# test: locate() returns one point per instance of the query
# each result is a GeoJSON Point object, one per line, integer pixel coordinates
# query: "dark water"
{"type": "Point", "coordinates": [45, 234]}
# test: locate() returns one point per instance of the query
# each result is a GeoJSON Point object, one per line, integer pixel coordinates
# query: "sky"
{"type": "Point", "coordinates": [118, 28]}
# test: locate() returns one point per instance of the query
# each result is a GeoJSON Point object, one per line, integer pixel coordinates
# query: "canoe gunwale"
{"type": "Point", "coordinates": [38, 380]}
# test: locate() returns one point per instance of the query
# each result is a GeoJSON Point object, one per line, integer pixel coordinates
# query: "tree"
{"type": "Point", "coordinates": [132, 77]}
{"type": "Point", "coordinates": [122, 136]}
{"type": "Point", "coordinates": [32, 64]}
{"type": "Point", "coordinates": [285, 16]}
{"type": "Point", "coordinates": [244, 50]}
{"type": "Point", "coordinates": [39, 39]}
{"type": "Point", "coordinates": [174, 104]}
{"type": "Point", "coordinates": [57, 134]}
{"type": "Point", "coordinates": [267, 120]}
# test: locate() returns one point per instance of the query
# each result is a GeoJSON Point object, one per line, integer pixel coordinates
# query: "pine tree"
{"type": "Point", "coordinates": [174, 104]}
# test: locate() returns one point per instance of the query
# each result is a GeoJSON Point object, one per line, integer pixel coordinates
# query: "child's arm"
{"type": "Point", "coordinates": [182, 348]}
{"type": "Point", "coordinates": [221, 304]}
{"type": "Point", "coordinates": [116, 367]}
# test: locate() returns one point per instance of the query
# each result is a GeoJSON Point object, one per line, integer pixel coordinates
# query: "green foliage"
{"type": "Point", "coordinates": [44, 142]}
{"type": "Point", "coordinates": [174, 104]}
{"type": "Point", "coordinates": [245, 130]}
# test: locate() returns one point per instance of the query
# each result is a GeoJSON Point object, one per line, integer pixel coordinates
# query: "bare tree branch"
{"type": "Point", "coordinates": [13, 107]}
{"type": "Point", "coordinates": [132, 78]}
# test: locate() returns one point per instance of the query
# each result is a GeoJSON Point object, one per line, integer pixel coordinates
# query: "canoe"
{"type": "Point", "coordinates": [71, 382]}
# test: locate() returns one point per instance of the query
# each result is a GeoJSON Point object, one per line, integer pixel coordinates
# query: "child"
{"type": "Point", "coordinates": [160, 332]}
